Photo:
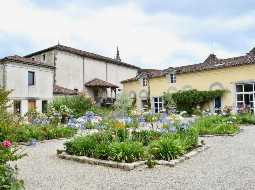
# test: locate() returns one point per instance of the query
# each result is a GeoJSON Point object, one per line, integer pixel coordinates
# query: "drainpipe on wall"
{"type": "Point", "coordinates": [54, 63]}
{"type": "Point", "coordinates": [106, 71]}
{"type": "Point", "coordinates": [4, 76]}
{"type": "Point", "coordinates": [83, 75]}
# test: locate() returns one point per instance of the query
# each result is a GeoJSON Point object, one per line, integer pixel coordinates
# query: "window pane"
{"type": "Point", "coordinates": [239, 104]}
{"type": "Point", "coordinates": [248, 87]}
{"type": "Point", "coordinates": [17, 106]}
{"type": "Point", "coordinates": [44, 106]}
{"type": "Point", "coordinates": [217, 102]}
{"type": "Point", "coordinates": [239, 97]}
{"type": "Point", "coordinates": [239, 88]}
{"type": "Point", "coordinates": [251, 97]}
{"type": "Point", "coordinates": [31, 80]}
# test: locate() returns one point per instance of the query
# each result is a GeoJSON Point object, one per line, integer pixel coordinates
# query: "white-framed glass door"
{"type": "Point", "coordinates": [245, 97]}
{"type": "Point", "coordinates": [158, 104]}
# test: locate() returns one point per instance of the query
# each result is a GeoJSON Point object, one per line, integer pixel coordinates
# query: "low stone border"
{"type": "Point", "coordinates": [83, 159]}
{"type": "Point", "coordinates": [129, 166]}
{"type": "Point", "coordinates": [184, 157]}
{"type": "Point", "coordinates": [223, 135]}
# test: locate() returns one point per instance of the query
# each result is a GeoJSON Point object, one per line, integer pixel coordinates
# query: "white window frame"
{"type": "Point", "coordinates": [34, 82]}
{"type": "Point", "coordinates": [243, 93]}
{"type": "Point", "coordinates": [145, 82]}
{"type": "Point", "coordinates": [172, 78]}
{"type": "Point", "coordinates": [160, 104]}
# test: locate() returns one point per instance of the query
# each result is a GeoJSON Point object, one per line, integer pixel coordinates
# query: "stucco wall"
{"type": "Point", "coordinates": [1, 75]}
{"type": "Point", "coordinates": [73, 71]}
{"type": "Point", "coordinates": [49, 57]}
{"type": "Point", "coordinates": [69, 70]}
{"type": "Point", "coordinates": [226, 77]}
{"type": "Point", "coordinates": [17, 80]}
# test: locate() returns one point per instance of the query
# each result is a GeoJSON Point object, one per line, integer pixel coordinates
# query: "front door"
{"type": "Point", "coordinates": [31, 105]}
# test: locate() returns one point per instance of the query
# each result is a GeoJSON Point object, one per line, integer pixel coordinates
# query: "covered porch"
{"type": "Point", "coordinates": [102, 92]}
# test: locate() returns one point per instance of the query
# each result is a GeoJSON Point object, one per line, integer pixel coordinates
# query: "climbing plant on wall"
{"type": "Point", "coordinates": [188, 100]}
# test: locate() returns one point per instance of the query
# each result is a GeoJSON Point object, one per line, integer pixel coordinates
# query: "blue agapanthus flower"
{"type": "Point", "coordinates": [184, 126]}
{"type": "Point", "coordinates": [172, 129]}
{"type": "Point", "coordinates": [141, 119]}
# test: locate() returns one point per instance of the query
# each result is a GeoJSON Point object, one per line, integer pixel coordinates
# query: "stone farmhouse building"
{"type": "Point", "coordinates": [81, 71]}
{"type": "Point", "coordinates": [31, 83]}
{"type": "Point", "coordinates": [236, 75]}
{"type": "Point", "coordinates": [61, 70]}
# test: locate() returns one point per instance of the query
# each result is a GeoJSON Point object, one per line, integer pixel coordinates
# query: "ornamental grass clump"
{"type": "Point", "coordinates": [166, 148]}
{"type": "Point", "coordinates": [213, 125]}
{"type": "Point", "coordinates": [245, 118]}
{"type": "Point", "coordinates": [126, 151]}
{"type": "Point", "coordinates": [145, 137]}
{"type": "Point", "coordinates": [172, 145]}
{"type": "Point", "coordinates": [107, 145]}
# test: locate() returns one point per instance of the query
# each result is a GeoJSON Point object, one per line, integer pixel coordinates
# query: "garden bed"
{"type": "Point", "coordinates": [122, 148]}
{"type": "Point", "coordinates": [130, 166]}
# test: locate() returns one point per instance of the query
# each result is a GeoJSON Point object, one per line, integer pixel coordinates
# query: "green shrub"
{"type": "Point", "coordinates": [25, 133]}
{"type": "Point", "coordinates": [82, 146]}
{"type": "Point", "coordinates": [151, 117]}
{"type": "Point", "coordinates": [90, 145]}
{"type": "Point", "coordinates": [145, 137]}
{"type": "Point", "coordinates": [126, 151]}
{"type": "Point", "coordinates": [189, 138]}
{"type": "Point", "coordinates": [166, 148]}
{"type": "Point", "coordinates": [101, 111]}
{"type": "Point", "coordinates": [215, 125]}
{"type": "Point", "coordinates": [246, 118]}
{"type": "Point", "coordinates": [78, 104]}
{"type": "Point", "coordinates": [102, 151]}
{"type": "Point", "coordinates": [188, 100]}
{"type": "Point", "coordinates": [8, 180]}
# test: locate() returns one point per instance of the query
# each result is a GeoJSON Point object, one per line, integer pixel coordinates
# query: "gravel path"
{"type": "Point", "coordinates": [229, 163]}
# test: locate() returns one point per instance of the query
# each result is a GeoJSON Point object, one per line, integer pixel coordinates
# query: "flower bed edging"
{"type": "Point", "coordinates": [186, 156]}
{"type": "Point", "coordinates": [83, 159]}
{"type": "Point", "coordinates": [129, 166]}
{"type": "Point", "coordinates": [223, 135]}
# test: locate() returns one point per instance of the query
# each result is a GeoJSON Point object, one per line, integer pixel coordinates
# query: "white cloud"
{"type": "Point", "coordinates": [145, 40]}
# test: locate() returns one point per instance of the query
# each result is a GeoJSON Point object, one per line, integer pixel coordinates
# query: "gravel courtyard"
{"type": "Point", "coordinates": [229, 163]}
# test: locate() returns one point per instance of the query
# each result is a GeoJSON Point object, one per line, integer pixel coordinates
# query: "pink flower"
{"type": "Point", "coordinates": [7, 144]}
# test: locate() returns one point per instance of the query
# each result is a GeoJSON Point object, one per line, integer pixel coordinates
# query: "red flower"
{"type": "Point", "coordinates": [7, 144]}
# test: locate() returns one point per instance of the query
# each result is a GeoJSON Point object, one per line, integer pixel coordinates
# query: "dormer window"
{"type": "Point", "coordinates": [173, 78]}
{"type": "Point", "coordinates": [145, 82]}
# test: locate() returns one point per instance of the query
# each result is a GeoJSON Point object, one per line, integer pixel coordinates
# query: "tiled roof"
{"type": "Point", "coordinates": [85, 54]}
{"type": "Point", "coordinates": [29, 61]}
{"type": "Point", "coordinates": [212, 62]}
{"type": "Point", "coordinates": [148, 72]}
{"type": "Point", "coordinates": [100, 83]}
{"type": "Point", "coordinates": [59, 90]}
{"type": "Point", "coordinates": [217, 64]}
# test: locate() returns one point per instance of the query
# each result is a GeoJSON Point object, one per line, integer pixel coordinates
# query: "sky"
{"type": "Point", "coordinates": [149, 33]}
